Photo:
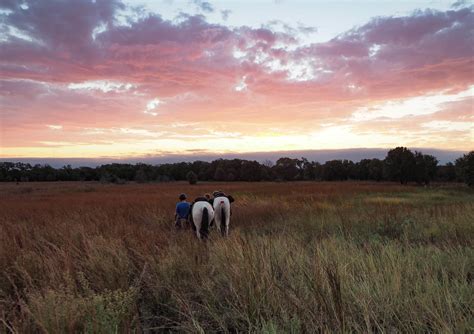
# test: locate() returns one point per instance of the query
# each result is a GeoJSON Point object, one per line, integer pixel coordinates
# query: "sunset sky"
{"type": "Point", "coordinates": [107, 78]}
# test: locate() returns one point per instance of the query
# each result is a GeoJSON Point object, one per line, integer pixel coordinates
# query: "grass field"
{"type": "Point", "coordinates": [301, 258]}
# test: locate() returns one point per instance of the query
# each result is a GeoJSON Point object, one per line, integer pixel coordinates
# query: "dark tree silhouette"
{"type": "Point", "coordinates": [334, 170]}
{"type": "Point", "coordinates": [446, 173]}
{"type": "Point", "coordinates": [465, 168]}
{"type": "Point", "coordinates": [220, 174]}
{"type": "Point", "coordinates": [425, 168]}
{"type": "Point", "coordinates": [250, 171]}
{"type": "Point", "coordinates": [370, 169]}
{"type": "Point", "coordinates": [399, 165]}
{"type": "Point", "coordinates": [286, 169]}
{"type": "Point", "coordinates": [192, 177]}
{"type": "Point", "coordinates": [141, 175]}
{"type": "Point", "coordinates": [375, 170]}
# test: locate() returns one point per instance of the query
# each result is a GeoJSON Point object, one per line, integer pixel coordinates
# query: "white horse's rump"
{"type": "Point", "coordinates": [222, 214]}
{"type": "Point", "coordinates": [203, 214]}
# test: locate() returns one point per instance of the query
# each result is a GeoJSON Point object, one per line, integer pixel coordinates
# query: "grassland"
{"type": "Point", "coordinates": [301, 258]}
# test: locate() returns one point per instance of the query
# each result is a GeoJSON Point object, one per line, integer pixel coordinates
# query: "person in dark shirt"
{"type": "Point", "coordinates": [183, 209]}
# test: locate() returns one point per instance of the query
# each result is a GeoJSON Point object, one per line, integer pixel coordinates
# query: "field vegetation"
{"type": "Point", "coordinates": [302, 257]}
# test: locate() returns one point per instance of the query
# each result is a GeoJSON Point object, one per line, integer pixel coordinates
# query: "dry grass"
{"type": "Point", "coordinates": [302, 257]}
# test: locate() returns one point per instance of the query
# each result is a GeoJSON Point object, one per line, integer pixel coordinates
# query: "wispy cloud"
{"type": "Point", "coordinates": [205, 6]}
{"type": "Point", "coordinates": [151, 106]}
{"type": "Point", "coordinates": [55, 127]}
{"type": "Point", "coordinates": [102, 85]}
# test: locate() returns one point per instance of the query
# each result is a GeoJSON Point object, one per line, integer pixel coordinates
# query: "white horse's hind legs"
{"type": "Point", "coordinates": [226, 222]}
{"type": "Point", "coordinates": [217, 221]}
{"type": "Point", "coordinates": [223, 228]}
{"type": "Point", "coordinates": [198, 229]}
{"type": "Point", "coordinates": [227, 228]}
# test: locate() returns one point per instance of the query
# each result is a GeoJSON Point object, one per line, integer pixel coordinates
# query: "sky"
{"type": "Point", "coordinates": [122, 79]}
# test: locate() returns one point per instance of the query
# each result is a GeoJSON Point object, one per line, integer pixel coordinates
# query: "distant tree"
{"type": "Point", "coordinates": [334, 170]}
{"type": "Point", "coordinates": [369, 169]}
{"type": "Point", "coordinates": [163, 178]}
{"type": "Point", "coordinates": [220, 174]}
{"type": "Point", "coordinates": [117, 171]}
{"type": "Point", "coordinates": [266, 173]}
{"type": "Point", "coordinates": [309, 171]}
{"type": "Point", "coordinates": [87, 174]}
{"type": "Point", "coordinates": [66, 173]}
{"type": "Point", "coordinates": [363, 169]}
{"type": "Point", "coordinates": [178, 171]}
{"type": "Point", "coordinates": [301, 165]}
{"type": "Point", "coordinates": [465, 168]}
{"type": "Point", "coordinates": [425, 168]}
{"type": "Point", "coordinates": [212, 169]}
{"type": "Point", "coordinates": [318, 171]}
{"type": "Point", "coordinates": [306, 169]}
{"type": "Point", "coordinates": [191, 177]}
{"type": "Point", "coordinates": [446, 173]}
{"type": "Point", "coordinates": [268, 163]}
{"type": "Point", "coordinates": [350, 170]}
{"type": "Point", "coordinates": [11, 171]}
{"type": "Point", "coordinates": [41, 173]}
{"type": "Point", "coordinates": [286, 169]}
{"type": "Point", "coordinates": [106, 177]}
{"type": "Point", "coordinates": [141, 175]}
{"type": "Point", "coordinates": [375, 170]}
{"type": "Point", "coordinates": [250, 171]}
{"type": "Point", "coordinates": [230, 176]}
{"type": "Point", "coordinates": [399, 165]}
{"type": "Point", "coordinates": [201, 168]}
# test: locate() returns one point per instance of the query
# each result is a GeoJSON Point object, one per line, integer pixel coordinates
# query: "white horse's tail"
{"type": "Point", "coordinates": [223, 220]}
{"type": "Point", "coordinates": [204, 231]}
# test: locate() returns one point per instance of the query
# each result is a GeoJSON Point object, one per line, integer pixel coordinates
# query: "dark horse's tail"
{"type": "Point", "coordinates": [223, 221]}
{"type": "Point", "coordinates": [204, 231]}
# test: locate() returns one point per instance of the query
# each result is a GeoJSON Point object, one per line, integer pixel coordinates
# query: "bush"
{"type": "Point", "coordinates": [191, 177]}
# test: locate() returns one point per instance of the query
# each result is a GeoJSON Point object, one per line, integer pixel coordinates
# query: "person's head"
{"type": "Point", "coordinates": [207, 196]}
{"type": "Point", "coordinates": [182, 197]}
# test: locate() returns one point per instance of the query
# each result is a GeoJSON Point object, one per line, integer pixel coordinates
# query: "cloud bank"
{"type": "Point", "coordinates": [190, 84]}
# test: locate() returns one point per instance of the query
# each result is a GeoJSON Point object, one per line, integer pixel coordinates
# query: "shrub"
{"type": "Point", "coordinates": [191, 177]}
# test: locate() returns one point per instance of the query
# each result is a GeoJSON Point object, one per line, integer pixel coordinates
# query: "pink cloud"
{"type": "Point", "coordinates": [299, 86]}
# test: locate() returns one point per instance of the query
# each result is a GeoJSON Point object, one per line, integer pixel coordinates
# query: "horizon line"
{"type": "Point", "coordinates": [317, 155]}
{"type": "Point", "coordinates": [190, 153]}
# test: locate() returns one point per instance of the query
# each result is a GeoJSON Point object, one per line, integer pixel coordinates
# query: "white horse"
{"type": "Point", "coordinates": [203, 214]}
{"type": "Point", "coordinates": [222, 214]}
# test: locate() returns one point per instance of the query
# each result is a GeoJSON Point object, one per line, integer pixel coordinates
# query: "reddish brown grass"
{"type": "Point", "coordinates": [94, 257]}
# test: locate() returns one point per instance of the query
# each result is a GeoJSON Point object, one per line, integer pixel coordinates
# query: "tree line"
{"type": "Point", "coordinates": [400, 165]}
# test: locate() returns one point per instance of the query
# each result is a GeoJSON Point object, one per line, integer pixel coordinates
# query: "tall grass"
{"type": "Point", "coordinates": [301, 258]}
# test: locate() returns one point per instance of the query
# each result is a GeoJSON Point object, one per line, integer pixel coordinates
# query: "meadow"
{"type": "Point", "coordinates": [302, 257]}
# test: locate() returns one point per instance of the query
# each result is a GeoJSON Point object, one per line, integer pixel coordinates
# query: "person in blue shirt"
{"type": "Point", "coordinates": [182, 212]}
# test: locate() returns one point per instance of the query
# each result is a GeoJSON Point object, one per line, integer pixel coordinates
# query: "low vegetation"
{"type": "Point", "coordinates": [302, 257]}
